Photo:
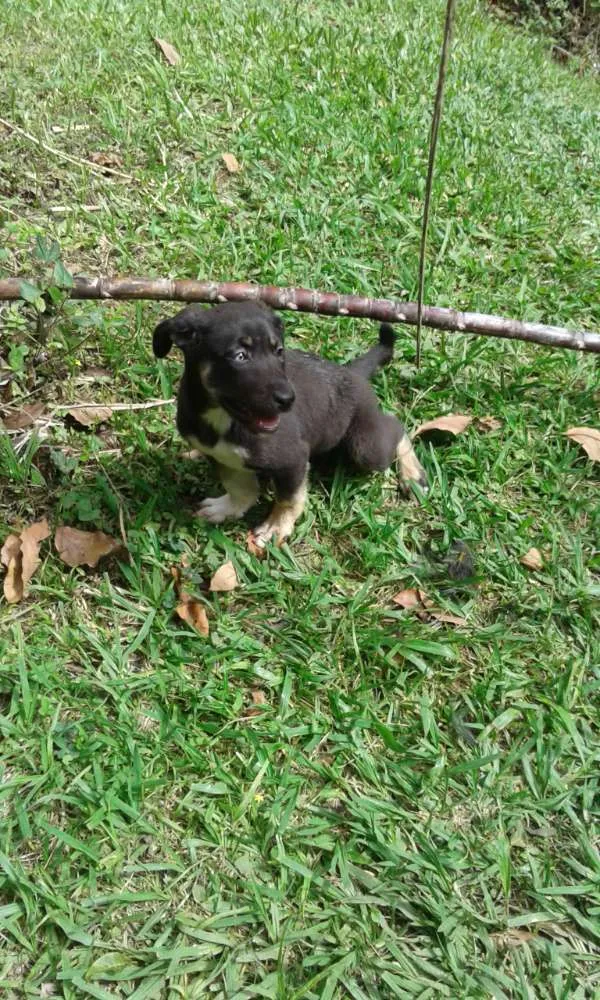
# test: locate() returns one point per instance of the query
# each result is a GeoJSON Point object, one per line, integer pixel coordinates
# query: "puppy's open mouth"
{"type": "Point", "coordinates": [256, 424]}
{"type": "Point", "coordinates": [264, 425]}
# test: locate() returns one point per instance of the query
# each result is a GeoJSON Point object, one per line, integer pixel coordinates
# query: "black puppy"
{"type": "Point", "coordinates": [258, 409]}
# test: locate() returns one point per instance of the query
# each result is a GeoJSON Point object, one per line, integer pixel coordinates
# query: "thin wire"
{"type": "Point", "coordinates": [435, 124]}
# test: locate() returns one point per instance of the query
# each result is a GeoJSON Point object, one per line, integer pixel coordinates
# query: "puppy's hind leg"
{"type": "Point", "coordinates": [408, 466]}
{"type": "Point", "coordinates": [377, 440]}
{"type": "Point", "coordinates": [242, 493]}
{"type": "Point", "coordinates": [290, 492]}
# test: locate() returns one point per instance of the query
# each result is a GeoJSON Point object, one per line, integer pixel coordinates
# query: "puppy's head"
{"type": "Point", "coordinates": [236, 351]}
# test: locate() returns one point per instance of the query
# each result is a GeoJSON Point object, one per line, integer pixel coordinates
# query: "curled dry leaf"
{"type": "Point", "coordinates": [447, 619]}
{"type": "Point", "coordinates": [486, 424]}
{"type": "Point", "coordinates": [31, 538]}
{"type": "Point", "coordinates": [107, 159]}
{"type": "Point", "coordinates": [169, 51]}
{"type": "Point", "coordinates": [11, 558]}
{"type": "Point", "coordinates": [452, 424]}
{"type": "Point", "coordinates": [418, 601]}
{"type": "Point", "coordinates": [259, 699]}
{"type": "Point", "coordinates": [20, 419]}
{"type": "Point", "coordinates": [532, 559]}
{"type": "Point", "coordinates": [20, 555]}
{"type": "Point", "coordinates": [84, 548]}
{"type": "Point", "coordinates": [588, 438]}
{"type": "Point", "coordinates": [193, 613]}
{"type": "Point", "coordinates": [410, 598]}
{"type": "Point", "coordinates": [224, 579]}
{"type": "Point", "coordinates": [87, 416]}
{"type": "Point", "coordinates": [231, 163]}
{"type": "Point", "coordinates": [94, 374]}
{"type": "Point", "coordinates": [253, 548]}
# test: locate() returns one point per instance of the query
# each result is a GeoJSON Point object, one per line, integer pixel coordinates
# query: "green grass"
{"type": "Point", "coordinates": [414, 813]}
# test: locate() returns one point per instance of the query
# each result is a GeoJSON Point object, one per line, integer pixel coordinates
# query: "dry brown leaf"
{"type": "Point", "coordinates": [408, 598]}
{"type": "Point", "coordinates": [107, 159]}
{"type": "Point", "coordinates": [94, 373]}
{"type": "Point", "coordinates": [255, 550]}
{"type": "Point", "coordinates": [87, 416]}
{"type": "Point", "coordinates": [259, 699]}
{"type": "Point", "coordinates": [176, 574]}
{"type": "Point", "coordinates": [20, 555]}
{"type": "Point", "coordinates": [84, 548]}
{"type": "Point", "coordinates": [532, 559]}
{"type": "Point", "coordinates": [10, 549]}
{"type": "Point", "coordinates": [169, 51]}
{"type": "Point", "coordinates": [446, 618]}
{"type": "Point", "coordinates": [231, 162]}
{"type": "Point", "coordinates": [194, 614]}
{"type": "Point", "coordinates": [12, 559]}
{"type": "Point", "coordinates": [17, 421]}
{"type": "Point", "coordinates": [224, 579]}
{"type": "Point", "coordinates": [452, 423]}
{"type": "Point", "coordinates": [486, 424]}
{"type": "Point", "coordinates": [588, 438]}
{"type": "Point", "coordinates": [31, 538]}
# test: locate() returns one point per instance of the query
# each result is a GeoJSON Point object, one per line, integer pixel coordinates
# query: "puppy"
{"type": "Point", "coordinates": [259, 410]}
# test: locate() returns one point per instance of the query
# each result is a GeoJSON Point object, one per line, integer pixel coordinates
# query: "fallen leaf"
{"type": "Point", "coordinates": [446, 618]}
{"type": "Point", "coordinates": [224, 579]}
{"type": "Point", "coordinates": [486, 424]}
{"type": "Point", "coordinates": [17, 421]}
{"type": "Point", "coordinates": [84, 548]}
{"type": "Point", "coordinates": [532, 559]}
{"type": "Point", "coordinates": [169, 51]}
{"type": "Point", "coordinates": [453, 424]}
{"type": "Point", "coordinates": [107, 159]}
{"type": "Point", "coordinates": [87, 416]}
{"type": "Point", "coordinates": [255, 550]}
{"type": "Point", "coordinates": [511, 938]}
{"type": "Point", "coordinates": [10, 549]}
{"type": "Point", "coordinates": [194, 614]}
{"type": "Point", "coordinates": [20, 555]}
{"type": "Point", "coordinates": [231, 163]}
{"type": "Point", "coordinates": [259, 699]}
{"type": "Point", "coordinates": [31, 538]}
{"type": "Point", "coordinates": [408, 598]}
{"type": "Point", "coordinates": [588, 438]}
{"type": "Point", "coordinates": [176, 574]}
{"type": "Point", "coordinates": [94, 373]}
{"type": "Point", "coordinates": [12, 559]}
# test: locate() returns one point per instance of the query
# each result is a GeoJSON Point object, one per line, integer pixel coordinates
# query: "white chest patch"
{"type": "Point", "coordinates": [224, 452]}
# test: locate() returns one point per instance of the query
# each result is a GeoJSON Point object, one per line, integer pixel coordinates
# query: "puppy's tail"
{"type": "Point", "coordinates": [377, 356]}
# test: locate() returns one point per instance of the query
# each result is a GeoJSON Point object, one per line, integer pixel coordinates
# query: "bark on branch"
{"type": "Point", "coordinates": [324, 303]}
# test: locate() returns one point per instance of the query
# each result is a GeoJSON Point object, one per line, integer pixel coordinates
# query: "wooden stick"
{"type": "Point", "coordinates": [324, 303]}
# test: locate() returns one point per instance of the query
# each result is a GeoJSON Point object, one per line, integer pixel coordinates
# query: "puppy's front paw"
{"type": "Point", "coordinates": [279, 524]}
{"type": "Point", "coordinates": [215, 510]}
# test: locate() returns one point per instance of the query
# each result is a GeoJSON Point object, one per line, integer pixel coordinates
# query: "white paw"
{"type": "Point", "coordinates": [218, 509]}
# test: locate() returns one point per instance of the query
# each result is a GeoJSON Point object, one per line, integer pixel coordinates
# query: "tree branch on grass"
{"type": "Point", "coordinates": [323, 303]}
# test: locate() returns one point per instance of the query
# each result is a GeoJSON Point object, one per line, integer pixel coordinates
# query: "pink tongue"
{"type": "Point", "coordinates": [267, 424]}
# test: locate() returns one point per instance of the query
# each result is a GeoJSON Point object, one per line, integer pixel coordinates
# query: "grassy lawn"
{"type": "Point", "coordinates": [413, 809]}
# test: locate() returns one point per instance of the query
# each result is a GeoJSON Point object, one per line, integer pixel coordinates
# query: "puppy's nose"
{"type": "Point", "coordinates": [284, 397]}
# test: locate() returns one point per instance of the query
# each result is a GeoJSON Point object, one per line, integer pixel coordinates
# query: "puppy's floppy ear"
{"type": "Point", "coordinates": [181, 330]}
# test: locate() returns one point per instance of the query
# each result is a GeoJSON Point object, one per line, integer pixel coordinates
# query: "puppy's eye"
{"type": "Point", "coordinates": [279, 351]}
{"type": "Point", "coordinates": [241, 356]}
